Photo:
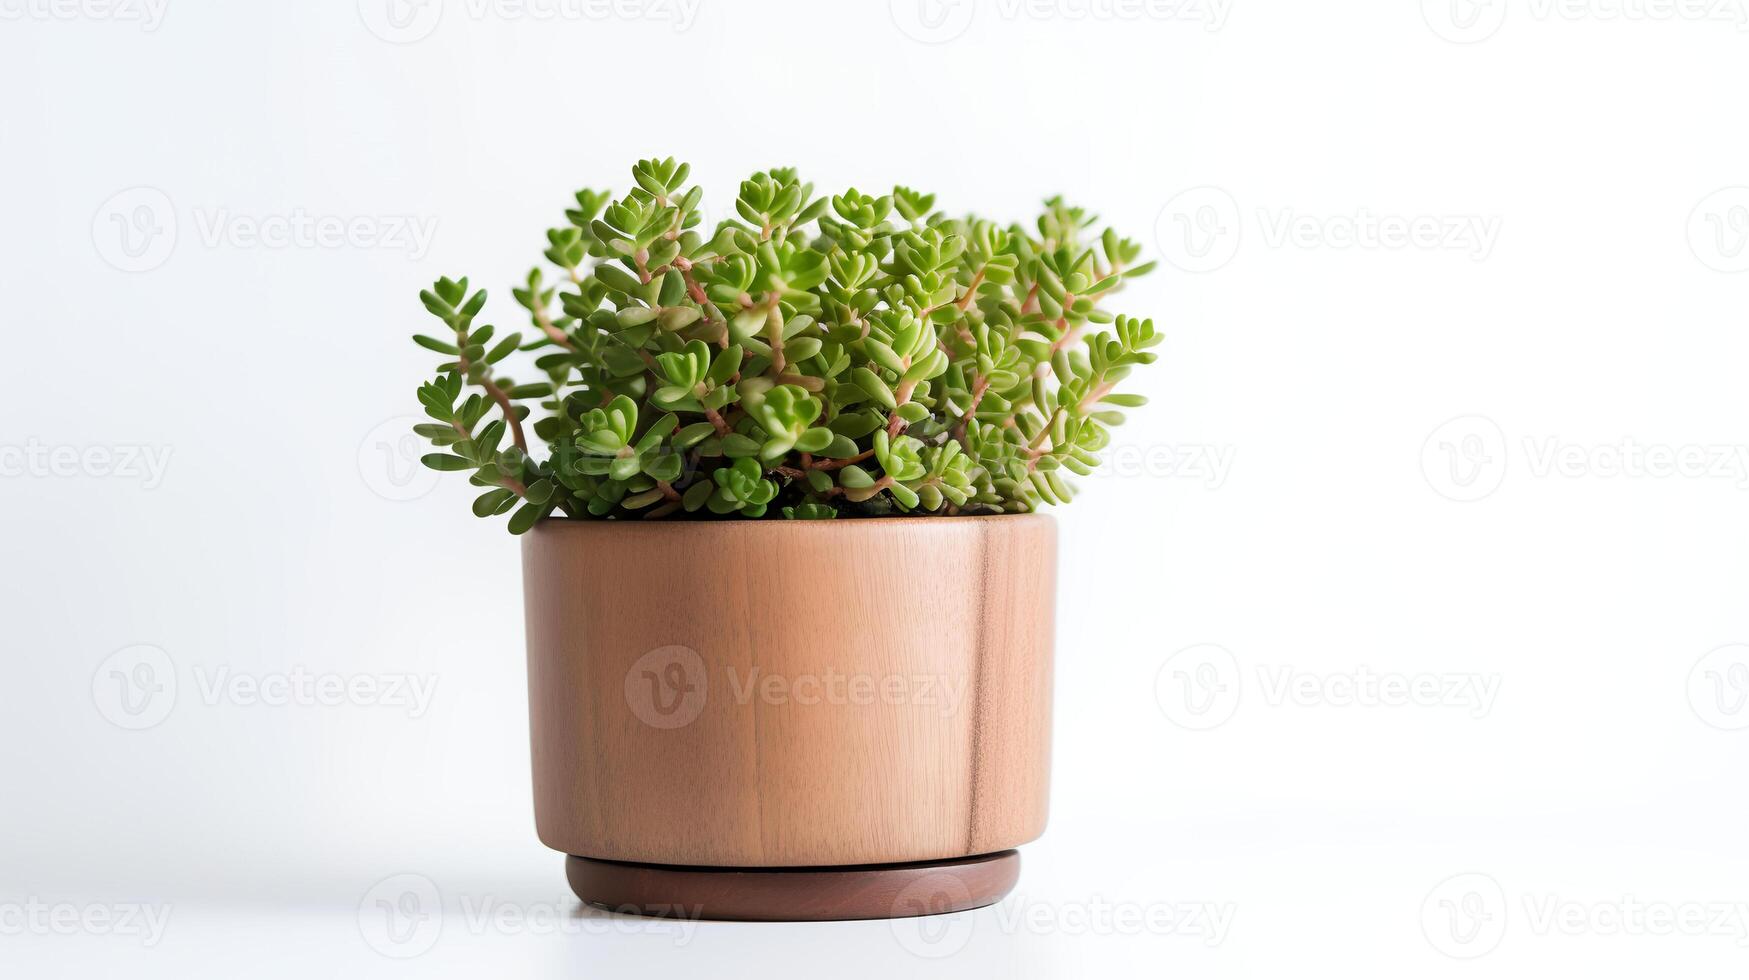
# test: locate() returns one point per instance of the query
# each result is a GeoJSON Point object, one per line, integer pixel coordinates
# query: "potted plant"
{"type": "Point", "coordinates": [789, 599]}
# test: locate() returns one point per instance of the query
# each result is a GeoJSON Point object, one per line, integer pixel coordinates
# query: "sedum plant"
{"type": "Point", "coordinates": [812, 357]}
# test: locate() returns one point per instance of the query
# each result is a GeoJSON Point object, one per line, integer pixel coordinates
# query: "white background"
{"type": "Point", "coordinates": [1297, 507]}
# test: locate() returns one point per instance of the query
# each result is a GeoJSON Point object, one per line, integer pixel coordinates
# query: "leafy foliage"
{"type": "Point", "coordinates": [814, 356]}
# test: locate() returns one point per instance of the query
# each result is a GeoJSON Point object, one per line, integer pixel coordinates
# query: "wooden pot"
{"type": "Point", "coordinates": [791, 719]}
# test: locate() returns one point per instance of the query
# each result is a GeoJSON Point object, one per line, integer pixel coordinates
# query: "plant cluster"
{"type": "Point", "coordinates": [812, 357]}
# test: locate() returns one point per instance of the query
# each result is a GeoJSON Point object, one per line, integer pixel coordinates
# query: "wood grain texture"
{"type": "Point", "coordinates": [790, 693]}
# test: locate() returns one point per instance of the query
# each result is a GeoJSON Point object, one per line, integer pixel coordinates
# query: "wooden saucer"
{"type": "Point", "coordinates": [869, 891]}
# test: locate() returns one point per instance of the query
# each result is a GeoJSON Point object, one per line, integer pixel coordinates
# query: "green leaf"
{"type": "Point", "coordinates": [491, 502]}
{"type": "Point", "coordinates": [432, 343]}
{"type": "Point", "coordinates": [814, 440]}
{"type": "Point", "coordinates": [444, 461]}
{"type": "Point", "coordinates": [504, 349]}
{"type": "Point", "coordinates": [736, 445]}
{"type": "Point", "coordinates": [666, 467]}
{"type": "Point", "coordinates": [539, 492]}
{"type": "Point", "coordinates": [624, 467]}
{"type": "Point", "coordinates": [726, 364]}
{"type": "Point", "coordinates": [855, 477]}
{"type": "Point", "coordinates": [875, 388]}
{"type": "Point", "coordinates": [679, 318]}
{"type": "Point", "coordinates": [884, 355]}
{"type": "Point", "coordinates": [525, 517]}
{"type": "Point", "coordinates": [618, 279]}
{"type": "Point", "coordinates": [693, 434]}
{"type": "Point", "coordinates": [696, 495]}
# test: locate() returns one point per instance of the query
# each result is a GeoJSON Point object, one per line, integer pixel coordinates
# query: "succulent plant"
{"type": "Point", "coordinates": [813, 357]}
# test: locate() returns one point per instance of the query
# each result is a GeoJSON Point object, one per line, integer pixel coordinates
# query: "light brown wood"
{"type": "Point", "coordinates": [790, 693]}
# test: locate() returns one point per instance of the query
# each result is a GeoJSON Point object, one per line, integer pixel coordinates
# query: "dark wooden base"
{"type": "Point", "coordinates": [870, 891]}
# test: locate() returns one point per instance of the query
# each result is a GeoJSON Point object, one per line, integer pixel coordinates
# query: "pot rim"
{"type": "Point", "coordinates": [548, 523]}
